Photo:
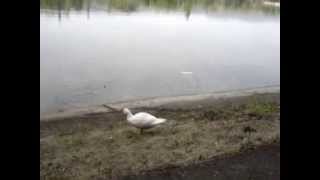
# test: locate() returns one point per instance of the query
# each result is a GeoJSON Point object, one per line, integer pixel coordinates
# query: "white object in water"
{"type": "Point", "coordinates": [268, 3]}
{"type": "Point", "coordinates": [186, 72]}
{"type": "Point", "coordinates": [142, 120]}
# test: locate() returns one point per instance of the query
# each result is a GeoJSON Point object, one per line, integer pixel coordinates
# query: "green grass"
{"type": "Point", "coordinates": [261, 109]}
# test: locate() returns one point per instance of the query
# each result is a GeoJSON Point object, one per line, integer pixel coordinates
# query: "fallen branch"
{"type": "Point", "coordinates": [112, 108]}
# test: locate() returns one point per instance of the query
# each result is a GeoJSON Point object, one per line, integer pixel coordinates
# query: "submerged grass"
{"type": "Point", "coordinates": [101, 150]}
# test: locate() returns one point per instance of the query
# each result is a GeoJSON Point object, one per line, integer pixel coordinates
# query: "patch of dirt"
{"type": "Point", "coordinates": [260, 163]}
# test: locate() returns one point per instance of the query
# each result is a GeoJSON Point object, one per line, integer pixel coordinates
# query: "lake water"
{"type": "Point", "coordinates": [94, 52]}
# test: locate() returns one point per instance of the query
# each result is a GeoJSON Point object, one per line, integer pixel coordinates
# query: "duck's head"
{"type": "Point", "coordinates": [126, 111]}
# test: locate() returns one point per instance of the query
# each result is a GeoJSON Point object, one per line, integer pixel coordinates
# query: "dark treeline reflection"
{"type": "Point", "coordinates": [175, 5]}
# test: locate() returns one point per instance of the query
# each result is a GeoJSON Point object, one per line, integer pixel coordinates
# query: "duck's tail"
{"type": "Point", "coordinates": [160, 121]}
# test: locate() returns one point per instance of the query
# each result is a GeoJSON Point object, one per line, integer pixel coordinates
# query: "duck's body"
{"type": "Point", "coordinates": [142, 120]}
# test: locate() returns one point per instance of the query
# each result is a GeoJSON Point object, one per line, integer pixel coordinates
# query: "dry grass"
{"type": "Point", "coordinates": [109, 150]}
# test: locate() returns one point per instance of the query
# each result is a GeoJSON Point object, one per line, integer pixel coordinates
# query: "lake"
{"type": "Point", "coordinates": [100, 51]}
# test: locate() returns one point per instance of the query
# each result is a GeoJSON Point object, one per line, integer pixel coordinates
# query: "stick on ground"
{"type": "Point", "coordinates": [112, 108]}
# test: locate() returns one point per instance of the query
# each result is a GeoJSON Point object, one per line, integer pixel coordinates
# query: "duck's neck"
{"type": "Point", "coordinates": [129, 115]}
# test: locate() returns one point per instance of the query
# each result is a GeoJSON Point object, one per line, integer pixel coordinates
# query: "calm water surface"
{"type": "Point", "coordinates": [94, 52]}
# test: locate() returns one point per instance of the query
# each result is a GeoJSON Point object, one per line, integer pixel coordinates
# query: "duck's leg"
{"type": "Point", "coordinates": [141, 131]}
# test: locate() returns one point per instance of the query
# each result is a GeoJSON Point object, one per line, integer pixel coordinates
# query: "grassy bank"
{"type": "Point", "coordinates": [104, 146]}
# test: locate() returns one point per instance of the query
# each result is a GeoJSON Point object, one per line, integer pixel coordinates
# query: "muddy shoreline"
{"type": "Point", "coordinates": [159, 101]}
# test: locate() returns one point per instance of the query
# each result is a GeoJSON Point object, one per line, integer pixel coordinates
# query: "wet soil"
{"type": "Point", "coordinates": [261, 163]}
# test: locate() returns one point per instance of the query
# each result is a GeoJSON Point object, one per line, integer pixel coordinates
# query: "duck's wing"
{"type": "Point", "coordinates": [143, 119]}
{"type": "Point", "coordinates": [159, 121]}
{"type": "Point", "coordinates": [144, 115]}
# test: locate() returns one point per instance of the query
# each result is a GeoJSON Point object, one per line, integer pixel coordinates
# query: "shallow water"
{"type": "Point", "coordinates": [102, 52]}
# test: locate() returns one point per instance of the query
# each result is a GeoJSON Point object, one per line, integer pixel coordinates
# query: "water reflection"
{"type": "Point", "coordinates": [129, 6]}
{"type": "Point", "coordinates": [118, 57]}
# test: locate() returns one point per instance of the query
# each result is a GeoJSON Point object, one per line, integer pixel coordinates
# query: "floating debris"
{"type": "Point", "coordinates": [186, 72]}
{"type": "Point", "coordinates": [269, 3]}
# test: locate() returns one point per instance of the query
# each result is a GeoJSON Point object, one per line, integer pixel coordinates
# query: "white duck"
{"type": "Point", "coordinates": [142, 120]}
